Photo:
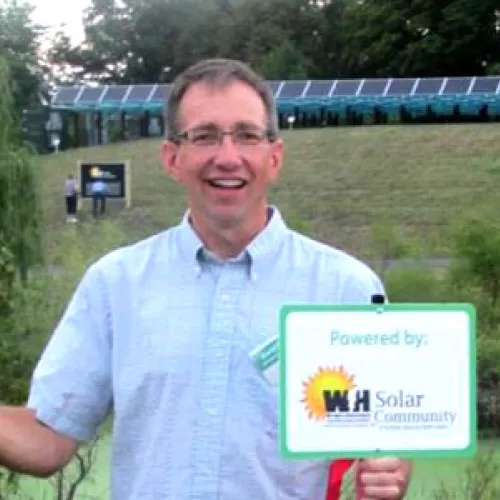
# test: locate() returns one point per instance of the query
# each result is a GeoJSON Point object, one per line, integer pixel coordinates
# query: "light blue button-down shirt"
{"type": "Point", "coordinates": [160, 332]}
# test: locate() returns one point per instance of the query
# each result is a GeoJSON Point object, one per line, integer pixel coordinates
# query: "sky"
{"type": "Point", "coordinates": [56, 12]}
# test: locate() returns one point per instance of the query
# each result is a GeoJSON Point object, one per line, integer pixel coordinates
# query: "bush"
{"type": "Point", "coordinates": [480, 481]}
{"type": "Point", "coordinates": [414, 284]}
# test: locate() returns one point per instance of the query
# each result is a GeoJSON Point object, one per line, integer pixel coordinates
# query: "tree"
{"type": "Point", "coordinates": [420, 38]}
{"type": "Point", "coordinates": [138, 41]}
{"type": "Point", "coordinates": [284, 62]}
{"type": "Point", "coordinates": [20, 44]}
{"type": "Point", "coordinates": [152, 41]}
{"type": "Point", "coordinates": [20, 237]}
{"type": "Point", "coordinates": [20, 207]}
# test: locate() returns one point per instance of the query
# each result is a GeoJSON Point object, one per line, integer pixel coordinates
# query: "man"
{"type": "Point", "coordinates": [161, 331]}
{"type": "Point", "coordinates": [98, 192]}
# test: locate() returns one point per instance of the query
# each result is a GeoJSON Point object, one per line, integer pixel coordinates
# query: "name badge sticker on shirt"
{"type": "Point", "coordinates": [265, 359]}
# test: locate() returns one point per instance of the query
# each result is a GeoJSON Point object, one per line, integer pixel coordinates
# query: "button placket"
{"type": "Point", "coordinates": [213, 391]}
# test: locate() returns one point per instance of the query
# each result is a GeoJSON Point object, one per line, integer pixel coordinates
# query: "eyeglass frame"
{"type": "Point", "coordinates": [265, 134]}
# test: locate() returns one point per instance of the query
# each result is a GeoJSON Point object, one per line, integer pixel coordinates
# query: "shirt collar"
{"type": "Point", "coordinates": [264, 245]}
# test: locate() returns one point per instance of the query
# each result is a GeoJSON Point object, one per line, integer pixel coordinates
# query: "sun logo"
{"type": "Point", "coordinates": [326, 379]}
{"type": "Point", "coordinates": [95, 172]}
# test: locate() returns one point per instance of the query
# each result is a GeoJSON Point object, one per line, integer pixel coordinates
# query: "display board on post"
{"type": "Point", "coordinates": [371, 380]}
{"type": "Point", "coordinates": [116, 176]}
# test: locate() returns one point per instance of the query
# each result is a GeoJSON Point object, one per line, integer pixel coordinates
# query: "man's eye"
{"type": "Point", "coordinates": [204, 137]}
{"type": "Point", "coordinates": [248, 136]}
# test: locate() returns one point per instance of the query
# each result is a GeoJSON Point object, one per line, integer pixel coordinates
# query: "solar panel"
{"type": "Point", "coordinates": [485, 85]}
{"type": "Point", "coordinates": [346, 87]}
{"type": "Point", "coordinates": [161, 93]}
{"type": "Point", "coordinates": [274, 86]}
{"type": "Point", "coordinates": [319, 88]}
{"type": "Point", "coordinates": [401, 86]}
{"type": "Point", "coordinates": [140, 93]}
{"type": "Point", "coordinates": [90, 95]}
{"type": "Point", "coordinates": [457, 85]}
{"type": "Point", "coordinates": [373, 87]}
{"type": "Point", "coordinates": [115, 93]}
{"type": "Point", "coordinates": [66, 95]}
{"type": "Point", "coordinates": [429, 86]}
{"type": "Point", "coordinates": [292, 89]}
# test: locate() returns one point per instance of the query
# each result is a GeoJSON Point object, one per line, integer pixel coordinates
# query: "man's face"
{"type": "Point", "coordinates": [226, 181]}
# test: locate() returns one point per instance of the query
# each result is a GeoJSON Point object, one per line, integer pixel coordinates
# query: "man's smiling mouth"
{"type": "Point", "coordinates": [227, 183]}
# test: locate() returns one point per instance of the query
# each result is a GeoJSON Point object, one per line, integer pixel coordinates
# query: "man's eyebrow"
{"type": "Point", "coordinates": [238, 124]}
{"type": "Point", "coordinates": [247, 124]}
{"type": "Point", "coordinates": [204, 125]}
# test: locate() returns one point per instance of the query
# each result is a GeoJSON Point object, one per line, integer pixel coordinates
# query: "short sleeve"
{"type": "Point", "coordinates": [71, 385]}
{"type": "Point", "coordinates": [361, 285]}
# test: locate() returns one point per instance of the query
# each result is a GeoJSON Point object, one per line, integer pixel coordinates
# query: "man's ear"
{"type": "Point", "coordinates": [169, 159]}
{"type": "Point", "coordinates": [276, 160]}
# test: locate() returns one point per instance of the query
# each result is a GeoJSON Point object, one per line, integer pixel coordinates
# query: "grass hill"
{"type": "Point", "coordinates": [336, 182]}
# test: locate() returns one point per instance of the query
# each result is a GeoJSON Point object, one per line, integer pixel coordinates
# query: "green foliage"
{"type": "Point", "coordinates": [19, 44]}
{"type": "Point", "coordinates": [20, 244]}
{"type": "Point", "coordinates": [300, 225]}
{"type": "Point", "coordinates": [153, 41]}
{"type": "Point", "coordinates": [479, 481]}
{"type": "Point", "coordinates": [284, 62]}
{"type": "Point", "coordinates": [7, 277]}
{"type": "Point", "coordinates": [387, 244]}
{"type": "Point", "coordinates": [20, 207]}
{"type": "Point", "coordinates": [477, 254]}
{"type": "Point", "coordinates": [424, 38]}
{"type": "Point", "coordinates": [36, 309]}
{"type": "Point", "coordinates": [16, 365]}
{"type": "Point", "coordinates": [418, 283]}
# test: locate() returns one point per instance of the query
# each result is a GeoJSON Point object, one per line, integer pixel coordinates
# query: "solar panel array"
{"type": "Point", "coordinates": [117, 95]}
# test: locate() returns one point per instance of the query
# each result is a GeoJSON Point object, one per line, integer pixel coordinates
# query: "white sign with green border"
{"type": "Point", "coordinates": [371, 380]}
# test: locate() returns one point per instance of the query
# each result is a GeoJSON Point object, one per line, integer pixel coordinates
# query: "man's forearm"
{"type": "Point", "coordinates": [28, 447]}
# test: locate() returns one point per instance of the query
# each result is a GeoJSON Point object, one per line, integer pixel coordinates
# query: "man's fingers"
{"type": "Point", "coordinates": [379, 492]}
{"type": "Point", "coordinates": [383, 464]}
{"type": "Point", "coordinates": [381, 478]}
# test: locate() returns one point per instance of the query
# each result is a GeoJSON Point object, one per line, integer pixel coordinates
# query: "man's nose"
{"type": "Point", "coordinates": [227, 153]}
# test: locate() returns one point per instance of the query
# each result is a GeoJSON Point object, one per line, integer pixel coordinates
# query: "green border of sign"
{"type": "Point", "coordinates": [443, 307]}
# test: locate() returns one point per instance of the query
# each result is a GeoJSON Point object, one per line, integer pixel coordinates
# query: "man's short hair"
{"type": "Point", "coordinates": [218, 73]}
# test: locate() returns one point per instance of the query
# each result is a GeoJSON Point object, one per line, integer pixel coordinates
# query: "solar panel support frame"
{"type": "Point", "coordinates": [152, 93]}
{"type": "Point", "coordinates": [79, 94]}
{"type": "Point", "coordinates": [306, 88]}
{"type": "Point", "coordinates": [101, 98]}
{"type": "Point", "coordinates": [471, 85]}
{"type": "Point", "coordinates": [443, 85]}
{"type": "Point", "coordinates": [127, 93]}
{"type": "Point", "coordinates": [415, 86]}
{"type": "Point", "coordinates": [333, 87]}
{"type": "Point", "coordinates": [387, 87]}
{"type": "Point", "coordinates": [279, 89]}
{"type": "Point", "coordinates": [360, 87]}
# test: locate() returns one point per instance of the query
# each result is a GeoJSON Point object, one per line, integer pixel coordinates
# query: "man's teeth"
{"type": "Point", "coordinates": [228, 183]}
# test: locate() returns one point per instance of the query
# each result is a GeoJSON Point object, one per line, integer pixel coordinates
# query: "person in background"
{"type": "Point", "coordinates": [98, 192]}
{"type": "Point", "coordinates": [160, 333]}
{"type": "Point", "coordinates": [71, 198]}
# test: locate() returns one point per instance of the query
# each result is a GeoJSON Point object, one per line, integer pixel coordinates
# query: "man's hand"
{"type": "Point", "coordinates": [382, 478]}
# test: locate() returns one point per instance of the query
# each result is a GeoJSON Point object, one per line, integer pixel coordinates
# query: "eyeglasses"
{"type": "Point", "coordinates": [206, 137]}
